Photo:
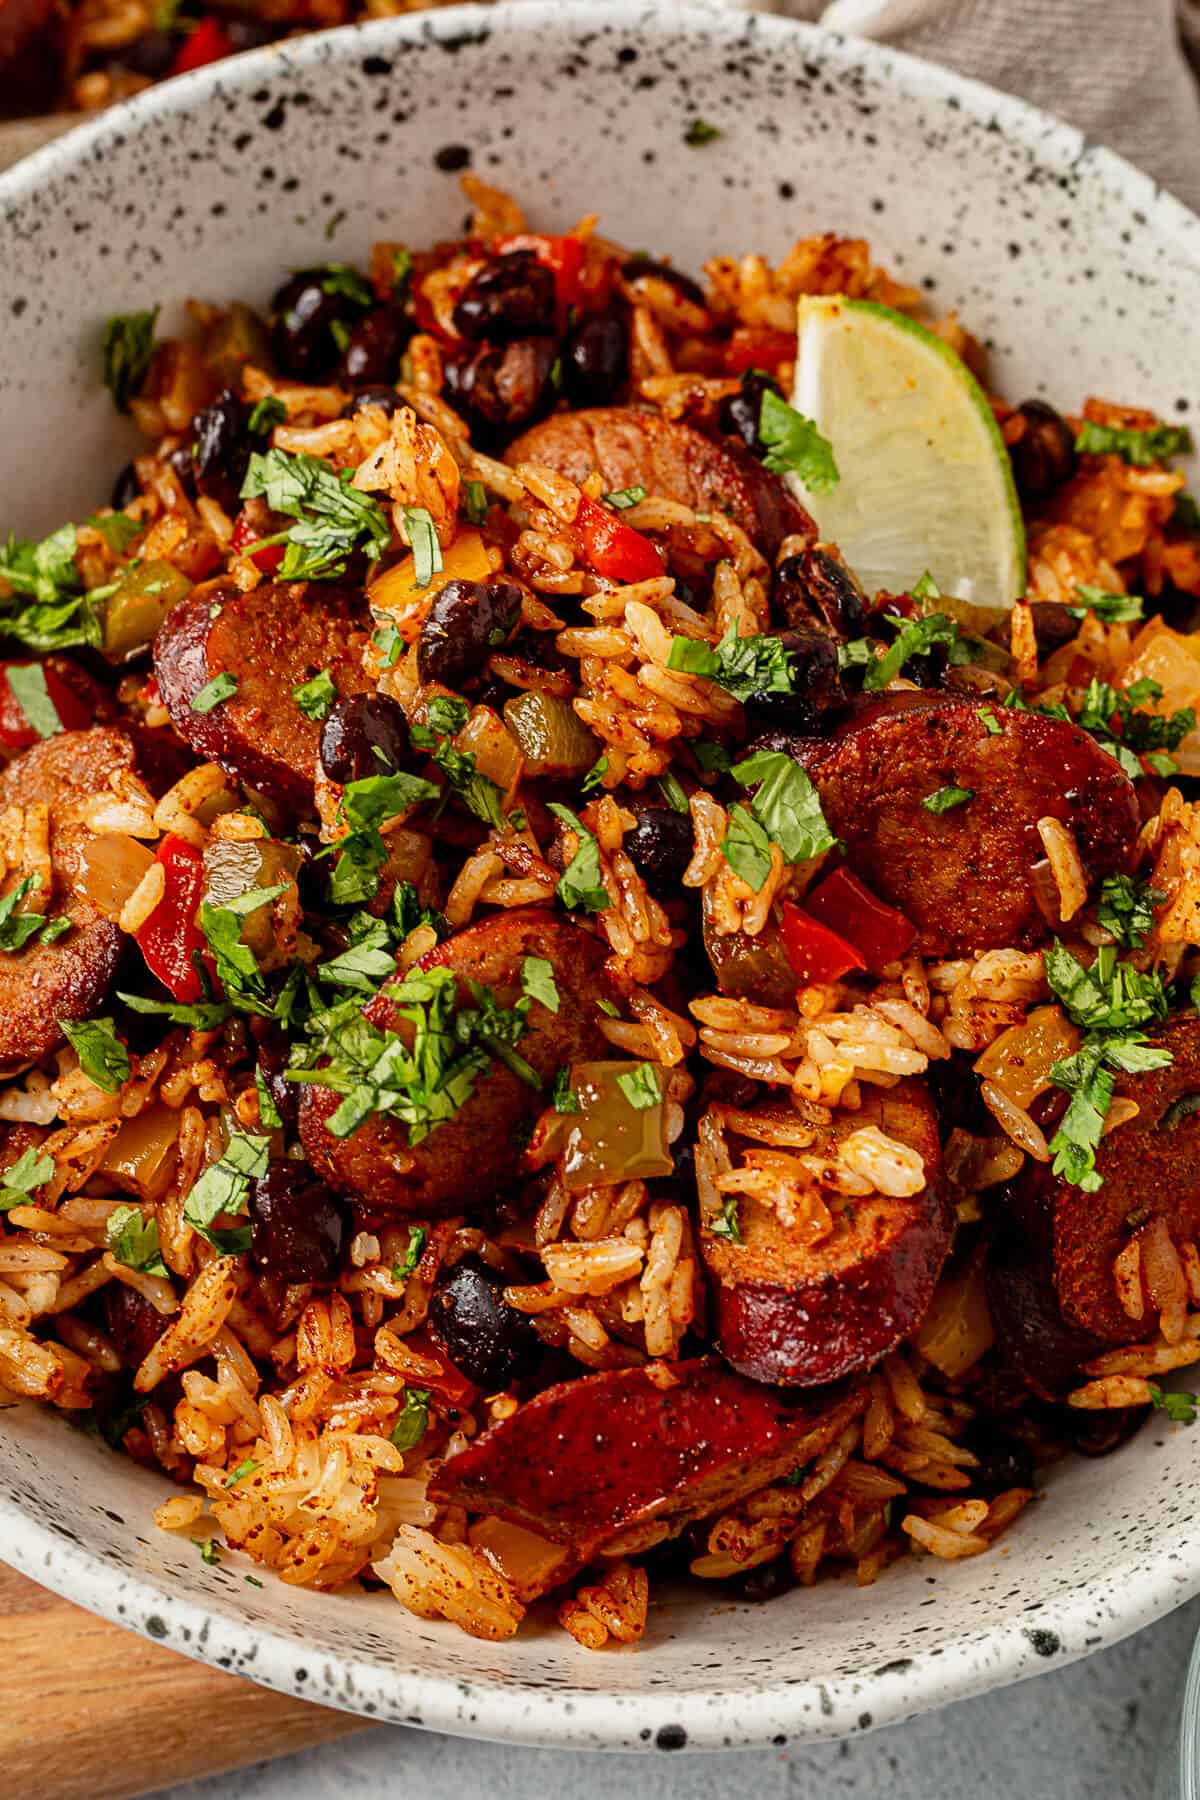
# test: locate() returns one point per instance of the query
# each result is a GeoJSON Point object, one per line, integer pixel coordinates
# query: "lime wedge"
{"type": "Point", "coordinates": [925, 479]}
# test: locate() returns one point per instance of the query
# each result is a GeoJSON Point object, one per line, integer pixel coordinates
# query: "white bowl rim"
{"type": "Point", "coordinates": [568, 1714]}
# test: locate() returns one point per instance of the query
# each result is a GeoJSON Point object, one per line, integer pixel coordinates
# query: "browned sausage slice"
{"type": "Point", "coordinates": [68, 978]}
{"type": "Point", "coordinates": [465, 1160]}
{"type": "Point", "coordinates": [271, 639]}
{"type": "Point", "coordinates": [630, 448]}
{"type": "Point", "coordinates": [963, 876]}
{"type": "Point", "coordinates": [800, 1313]}
{"type": "Point", "coordinates": [1150, 1169]}
{"type": "Point", "coordinates": [597, 1458]}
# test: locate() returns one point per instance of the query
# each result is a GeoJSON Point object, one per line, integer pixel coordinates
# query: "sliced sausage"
{"type": "Point", "coordinates": [465, 1160]}
{"type": "Point", "coordinates": [798, 1314]}
{"type": "Point", "coordinates": [69, 977]}
{"type": "Point", "coordinates": [963, 876]}
{"type": "Point", "coordinates": [271, 639]}
{"type": "Point", "coordinates": [597, 1458]}
{"type": "Point", "coordinates": [1150, 1169]}
{"type": "Point", "coordinates": [1033, 1338]}
{"type": "Point", "coordinates": [631, 448]}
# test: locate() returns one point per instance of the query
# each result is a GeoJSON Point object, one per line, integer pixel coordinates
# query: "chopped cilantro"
{"type": "Point", "coordinates": [622, 498]}
{"type": "Point", "coordinates": [595, 774]}
{"type": "Point", "coordinates": [27, 684]}
{"type": "Point", "coordinates": [747, 848]}
{"type": "Point", "coordinates": [945, 798]}
{"type": "Point", "coordinates": [447, 714]}
{"type": "Point", "coordinates": [728, 1225]}
{"type": "Point", "coordinates": [17, 927]}
{"type": "Point", "coordinates": [224, 1188]}
{"type": "Point", "coordinates": [1180, 1408]}
{"type": "Point", "coordinates": [1111, 609]}
{"type": "Point", "coordinates": [367, 962]}
{"type": "Point", "coordinates": [389, 643]}
{"type": "Point", "coordinates": [1186, 516]}
{"type": "Point", "coordinates": [48, 609]}
{"type": "Point", "coordinates": [417, 1235]}
{"type": "Point", "coordinates": [1141, 733]}
{"type": "Point", "coordinates": [614, 1012]}
{"type": "Point", "coordinates": [742, 665]}
{"type": "Point", "coordinates": [117, 529]}
{"type": "Point", "coordinates": [1141, 448]}
{"type": "Point", "coordinates": [31, 1170]}
{"type": "Point", "coordinates": [926, 588]}
{"type": "Point", "coordinates": [672, 792]}
{"type": "Point", "coordinates": [423, 540]}
{"type": "Point", "coordinates": [562, 1097]}
{"type": "Point", "coordinates": [580, 886]}
{"type": "Point", "coordinates": [333, 517]}
{"type": "Point", "coordinates": [402, 263]}
{"type": "Point", "coordinates": [200, 1015]}
{"type": "Point", "coordinates": [102, 1056]}
{"type": "Point", "coordinates": [714, 759]}
{"type": "Point", "coordinates": [475, 503]}
{"type": "Point", "coordinates": [246, 1467]}
{"type": "Point", "coordinates": [700, 132]}
{"type": "Point", "coordinates": [786, 805]}
{"type": "Point", "coordinates": [127, 347]}
{"type": "Point", "coordinates": [1126, 908]}
{"type": "Point", "coordinates": [914, 637]}
{"type": "Point", "coordinates": [266, 415]}
{"type": "Point", "coordinates": [221, 687]}
{"type": "Point", "coordinates": [641, 1086]}
{"type": "Point", "coordinates": [341, 282]}
{"type": "Point", "coordinates": [366, 805]}
{"type": "Point", "coordinates": [538, 983]}
{"type": "Point", "coordinates": [795, 446]}
{"type": "Point", "coordinates": [237, 966]}
{"type": "Point", "coordinates": [133, 1240]}
{"type": "Point", "coordinates": [208, 1551]}
{"type": "Point", "coordinates": [991, 723]}
{"type": "Point", "coordinates": [315, 697]}
{"type": "Point", "coordinates": [269, 1115]}
{"type": "Point", "coordinates": [413, 1420]}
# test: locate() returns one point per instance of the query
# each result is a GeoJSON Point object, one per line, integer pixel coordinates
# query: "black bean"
{"type": "Point", "coordinates": [466, 623]}
{"type": "Point", "coordinates": [768, 1581]}
{"type": "Point", "coordinates": [1043, 457]}
{"type": "Point", "coordinates": [133, 1324]}
{"type": "Point", "coordinates": [1004, 1461]}
{"type": "Point", "coordinates": [818, 696]}
{"type": "Point", "coordinates": [1100, 1433]}
{"type": "Point", "coordinates": [815, 585]}
{"type": "Point", "coordinates": [251, 34]}
{"type": "Point", "coordinates": [954, 1089]}
{"type": "Point", "coordinates": [180, 459]}
{"type": "Point", "coordinates": [298, 1225]}
{"type": "Point", "coordinates": [386, 398]}
{"type": "Point", "coordinates": [220, 449]}
{"type": "Point", "coordinates": [503, 388]}
{"type": "Point", "coordinates": [660, 846]}
{"type": "Point", "coordinates": [683, 284]}
{"type": "Point", "coordinates": [152, 54]}
{"type": "Point", "coordinates": [125, 489]}
{"type": "Point", "coordinates": [303, 315]}
{"type": "Point", "coordinates": [596, 360]}
{"type": "Point", "coordinates": [365, 735]}
{"type": "Point", "coordinates": [740, 412]}
{"type": "Point", "coordinates": [1053, 625]}
{"type": "Point", "coordinates": [511, 297]}
{"type": "Point", "coordinates": [486, 1339]}
{"type": "Point", "coordinates": [374, 348]}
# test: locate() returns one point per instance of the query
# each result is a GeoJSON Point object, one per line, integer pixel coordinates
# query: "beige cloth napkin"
{"type": "Point", "coordinates": [1119, 69]}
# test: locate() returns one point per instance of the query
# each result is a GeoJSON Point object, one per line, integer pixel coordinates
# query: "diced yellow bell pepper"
{"type": "Point", "coordinates": [396, 596]}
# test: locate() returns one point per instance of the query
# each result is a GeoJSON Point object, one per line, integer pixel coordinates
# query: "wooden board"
{"type": "Point", "coordinates": [93, 1712]}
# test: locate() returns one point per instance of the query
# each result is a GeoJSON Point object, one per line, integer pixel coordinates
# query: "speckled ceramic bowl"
{"type": "Point", "coordinates": [1079, 275]}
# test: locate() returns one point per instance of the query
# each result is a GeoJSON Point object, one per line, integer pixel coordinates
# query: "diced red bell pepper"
{"type": "Point", "coordinates": [170, 937]}
{"type": "Point", "coordinates": [612, 548]}
{"type": "Point", "coordinates": [207, 44]}
{"type": "Point", "coordinates": [151, 693]}
{"type": "Point", "coordinates": [16, 733]}
{"type": "Point", "coordinates": [759, 347]}
{"type": "Point", "coordinates": [450, 1385]}
{"type": "Point", "coordinates": [815, 952]}
{"type": "Point", "coordinates": [880, 932]}
{"type": "Point", "coordinates": [267, 558]}
{"type": "Point", "coordinates": [563, 256]}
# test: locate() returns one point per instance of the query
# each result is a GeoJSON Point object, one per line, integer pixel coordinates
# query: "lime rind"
{"type": "Point", "coordinates": [926, 480]}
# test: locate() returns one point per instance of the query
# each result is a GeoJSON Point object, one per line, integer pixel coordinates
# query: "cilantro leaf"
{"type": "Point", "coordinates": [926, 588]}
{"type": "Point", "coordinates": [266, 415]}
{"type": "Point", "coordinates": [742, 665]}
{"type": "Point", "coordinates": [402, 263]}
{"type": "Point", "coordinates": [423, 541]}
{"type": "Point", "coordinates": [728, 1225]}
{"type": "Point", "coordinates": [595, 775]}
{"type": "Point", "coordinates": [1180, 1408]}
{"type": "Point", "coordinates": [200, 1015]}
{"type": "Point", "coordinates": [562, 1098]}
{"type": "Point", "coordinates": [747, 848]}
{"type": "Point", "coordinates": [117, 529]}
{"type": "Point", "coordinates": [48, 609]}
{"type": "Point", "coordinates": [17, 927]}
{"type": "Point", "coordinates": [580, 885]}
{"type": "Point", "coordinates": [700, 132]}
{"type": "Point", "coordinates": [622, 498]}
{"type": "Point", "coordinates": [417, 1235]}
{"type": "Point", "coordinates": [943, 799]}
{"type": "Point", "coordinates": [366, 964]}
{"type": "Point", "coordinates": [221, 687]}
{"type": "Point", "coordinates": [786, 804]}
{"type": "Point", "coordinates": [315, 697]}
{"type": "Point", "coordinates": [246, 1467]}
{"type": "Point", "coordinates": [413, 1420]}
{"type": "Point", "coordinates": [333, 517]}
{"type": "Point", "coordinates": [224, 1187]}
{"type": "Point", "coordinates": [1141, 448]}
{"type": "Point", "coordinates": [31, 1170]}
{"type": "Point", "coordinates": [714, 759]}
{"type": "Point", "coordinates": [672, 792]}
{"type": "Point", "coordinates": [914, 637]}
{"type": "Point", "coordinates": [237, 966]}
{"type": "Point", "coordinates": [795, 446]}
{"type": "Point", "coordinates": [1126, 908]}
{"type": "Point", "coordinates": [341, 282]}
{"type": "Point", "coordinates": [991, 723]}
{"type": "Point", "coordinates": [27, 684]}
{"type": "Point", "coordinates": [133, 1240]}
{"type": "Point", "coordinates": [366, 805]}
{"type": "Point", "coordinates": [475, 503]}
{"type": "Point", "coordinates": [641, 1086]}
{"type": "Point", "coordinates": [1112, 609]}
{"type": "Point", "coordinates": [127, 347]}
{"type": "Point", "coordinates": [269, 1115]}
{"type": "Point", "coordinates": [538, 983]}
{"type": "Point", "coordinates": [102, 1056]}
